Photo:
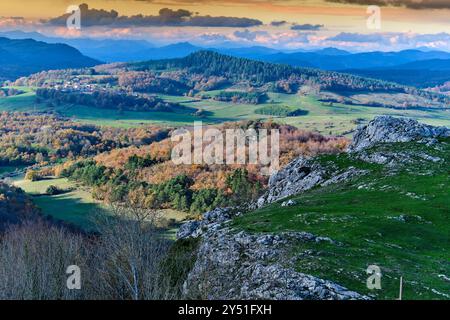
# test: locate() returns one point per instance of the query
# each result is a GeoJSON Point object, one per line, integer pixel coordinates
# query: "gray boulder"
{"type": "Point", "coordinates": [210, 220]}
{"type": "Point", "coordinates": [288, 203]}
{"type": "Point", "coordinates": [390, 129]}
{"type": "Point", "coordinates": [232, 266]}
{"type": "Point", "coordinates": [300, 175]}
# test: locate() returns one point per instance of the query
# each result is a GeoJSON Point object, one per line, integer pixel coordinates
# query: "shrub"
{"type": "Point", "coordinates": [32, 175]}
{"type": "Point", "coordinates": [53, 190]}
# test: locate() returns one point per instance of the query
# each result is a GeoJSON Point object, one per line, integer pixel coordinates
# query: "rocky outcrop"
{"type": "Point", "coordinates": [234, 265]}
{"type": "Point", "coordinates": [210, 221]}
{"type": "Point", "coordinates": [301, 175]}
{"type": "Point", "coordinates": [390, 129]}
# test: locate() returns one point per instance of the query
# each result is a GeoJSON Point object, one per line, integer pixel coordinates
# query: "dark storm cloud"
{"type": "Point", "coordinates": [166, 17]}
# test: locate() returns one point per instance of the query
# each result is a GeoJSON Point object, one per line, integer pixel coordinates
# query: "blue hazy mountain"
{"type": "Point", "coordinates": [113, 50]}
{"type": "Point", "coordinates": [21, 57]}
{"type": "Point", "coordinates": [380, 65]}
{"type": "Point", "coordinates": [367, 60]}
{"type": "Point", "coordinates": [423, 73]}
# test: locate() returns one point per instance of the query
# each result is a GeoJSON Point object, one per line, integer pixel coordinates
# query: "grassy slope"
{"type": "Point", "coordinates": [78, 206]}
{"type": "Point", "coordinates": [364, 215]}
{"type": "Point", "coordinates": [9, 169]}
{"type": "Point", "coordinates": [75, 207]}
{"type": "Point", "coordinates": [323, 118]}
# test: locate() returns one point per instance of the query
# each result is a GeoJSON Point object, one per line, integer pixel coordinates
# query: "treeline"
{"type": "Point", "coordinates": [106, 100]}
{"type": "Point", "coordinates": [9, 92]}
{"type": "Point", "coordinates": [32, 139]}
{"type": "Point", "coordinates": [121, 186]}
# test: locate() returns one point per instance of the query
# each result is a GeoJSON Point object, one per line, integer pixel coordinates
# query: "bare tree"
{"type": "Point", "coordinates": [33, 261]}
{"type": "Point", "coordinates": [129, 256]}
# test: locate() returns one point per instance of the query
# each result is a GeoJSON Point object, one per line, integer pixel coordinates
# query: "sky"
{"type": "Point", "coordinates": [281, 24]}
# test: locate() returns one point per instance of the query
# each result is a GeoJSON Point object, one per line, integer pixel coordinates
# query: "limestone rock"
{"type": "Point", "coordinates": [390, 129]}
{"type": "Point", "coordinates": [233, 266]}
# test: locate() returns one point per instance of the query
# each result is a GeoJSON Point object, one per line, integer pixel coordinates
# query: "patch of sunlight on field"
{"type": "Point", "coordinates": [75, 206]}
{"type": "Point", "coordinates": [40, 187]}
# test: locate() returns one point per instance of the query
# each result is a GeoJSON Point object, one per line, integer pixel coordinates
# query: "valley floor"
{"type": "Point", "coordinates": [335, 119]}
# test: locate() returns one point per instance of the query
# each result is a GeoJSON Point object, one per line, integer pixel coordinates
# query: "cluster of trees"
{"type": "Point", "coordinates": [280, 111]}
{"type": "Point", "coordinates": [27, 139]}
{"type": "Point", "coordinates": [106, 100]}
{"type": "Point", "coordinates": [14, 206]}
{"type": "Point", "coordinates": [118, 185]}
{"type": "Point", "coordinates": [293, 143]}
{"type": "Point", "coordinates": [9, 92]}
{"type": "Point", "coordinates": [150, 83]}
{"type": "Point", "coordinates": [211, 83]}
{"type": "Point", "coordinates": [241, 97]}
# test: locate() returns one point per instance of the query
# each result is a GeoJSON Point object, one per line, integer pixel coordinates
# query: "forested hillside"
{"type": "Point", "coordinates": [199, 66]}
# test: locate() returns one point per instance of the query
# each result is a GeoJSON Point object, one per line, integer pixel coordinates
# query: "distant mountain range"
{"type": "Point", "coordinates": [420, 68]}
{"type": "Point", "coordinates": [26, 56]}
{"type": "Point", "coordinates": [112, 50]}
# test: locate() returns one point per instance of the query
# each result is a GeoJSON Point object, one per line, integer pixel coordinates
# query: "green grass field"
{"type": "Point", "coordinates": [321, 117]}
{"type": "Point", "coordinates": [76, 206]}
{"type": "Point", "coordinates": [9, 169]}
{"type": "Point", "coordinates": [79, 207]}
{"type": "Point", "coordinates": [398, 220]}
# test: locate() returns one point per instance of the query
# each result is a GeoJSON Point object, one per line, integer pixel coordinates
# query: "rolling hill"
{"type": "Point", "coordinates": [249, 75]}
{"type": "Point", "coordinates": [24, 57]}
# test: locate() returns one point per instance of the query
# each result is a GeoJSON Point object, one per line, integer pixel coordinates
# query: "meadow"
{"type": "Point", "coordinates": [325, 118]}
{"type": "Point", "coordinates": [77, 206]}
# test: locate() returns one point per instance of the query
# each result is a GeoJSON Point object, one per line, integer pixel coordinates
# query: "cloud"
{"type": "Point", "coordinates": [389, 40]}
{"type": "Point", "coordinates": [213, 37]}
{"type": "Point", "coordinates": [250, 35]}
{"type": "Point", "coordinates": [166, 17]}
{"type": "Point", "coordinates": [411, 4]}
{"type": "Point", "coordinates": [286, 39]}
{"type": "Point", "coordinates": [358, 37]}
{"type": "Point", "coordinates": [14, 22]}
{"type": "Point", "coordinates": [308, 27]}
{"type": "Point", "coordinates": [278, 23]}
